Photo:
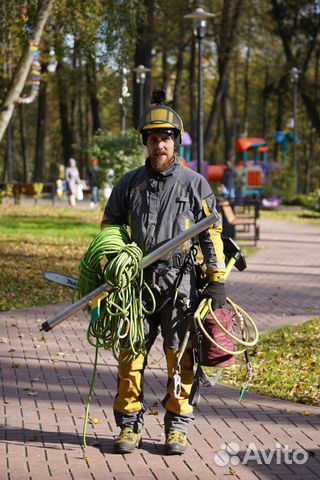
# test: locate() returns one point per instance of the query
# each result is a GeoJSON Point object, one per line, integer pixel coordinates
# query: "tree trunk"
{"type": "Point", "coordinates": [227, 124]}
{"type": "Point", "coordinates": [264, 114]}
{"type": "Point", "coordinates": [165, 69]}
{"type": "Point", "coordinates": [21, 73]}
{"type": "Point", "coordinates": [245, 118]}
{"type": "Point", "coordinates": [230, 20]}
{"type": "Point", "coordinates": [9, 176]}
{"type": "Point", "coordinates": [193, 100]}
{"type": "Point", "coordinates": [66, 132]}
{"type": "Point", "coordinates": [23, 143]}
{"type": "Point", "coordinates": [143, 56]}
{"type": "Point", "coordinates": [178, 81]}
{"type": "Point", "coordinates": [92, 83]}
{"type": "Point", "coordinates": [39, 159]}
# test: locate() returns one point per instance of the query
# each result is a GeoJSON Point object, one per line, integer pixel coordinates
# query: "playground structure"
{"type": "Point", "coordinates": [252, 165]}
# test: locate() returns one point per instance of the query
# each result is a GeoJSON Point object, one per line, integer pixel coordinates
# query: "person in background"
{"type": "Point", "coordinates": [73, 179]}
{"type": "Point", "coordinates": [93, 179]}
{"type": "Point", "coordinates": [229, 181]}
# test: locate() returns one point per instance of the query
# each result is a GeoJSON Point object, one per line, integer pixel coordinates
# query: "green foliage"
{"type": "Point", "coordinates": [121, 153]}
{"type": "Point", "coordinates": [310, 201]}
{"type": "Point", "coordinates": [7, 191]}
{"type": "Point", "coordinates": [281, 184]}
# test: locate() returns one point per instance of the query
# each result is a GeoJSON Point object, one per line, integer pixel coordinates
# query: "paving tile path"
{"type": "Point", "coordinates": [45, 382]}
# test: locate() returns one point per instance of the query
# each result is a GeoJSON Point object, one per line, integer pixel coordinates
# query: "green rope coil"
{"type": "Point", "coordinates": [119, 326]}
{"type": "Point", "coordinates": [113, 259]}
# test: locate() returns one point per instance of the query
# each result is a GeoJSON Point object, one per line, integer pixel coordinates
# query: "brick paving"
{"type": "Point", "coordinates": [45, 382]}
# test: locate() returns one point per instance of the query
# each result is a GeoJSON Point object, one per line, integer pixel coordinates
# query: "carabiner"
{"type": "Point", "coordinates": [176, 385]}
{"type": "Point", "coordinates": [121, 322]}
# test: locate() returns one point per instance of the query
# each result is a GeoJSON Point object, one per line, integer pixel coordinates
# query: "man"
{"type": "Point", "coordinates": [94, 180]}
{"type": "Point", "coordinates": [229, 181]}
{"type": "Point", "coordinates": [158, 201]}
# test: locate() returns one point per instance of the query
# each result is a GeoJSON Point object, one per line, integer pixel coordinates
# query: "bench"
{"type": "Point", "coordinates": [241, 218]}
{"type": "Point", "coordinates": [18, 190]}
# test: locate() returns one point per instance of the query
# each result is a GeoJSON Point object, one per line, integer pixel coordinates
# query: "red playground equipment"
{"type": "Point", "coordinates": [251, 172]}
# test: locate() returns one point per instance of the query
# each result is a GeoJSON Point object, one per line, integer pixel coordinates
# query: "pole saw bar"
{"type": "Point", "coordinates": [62, 280]}
{"type": "Point", "coordinates": [145, 262]}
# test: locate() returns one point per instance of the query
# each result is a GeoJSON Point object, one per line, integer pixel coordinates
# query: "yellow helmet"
{"type": "Point", "coordinates": [160, 117]}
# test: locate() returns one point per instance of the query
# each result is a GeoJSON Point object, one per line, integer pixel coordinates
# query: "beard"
{"type": "Point", "coordinates": [161, 163]}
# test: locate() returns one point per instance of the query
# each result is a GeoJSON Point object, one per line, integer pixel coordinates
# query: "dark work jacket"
{"type": "Point", "coordinates": [159, 206]}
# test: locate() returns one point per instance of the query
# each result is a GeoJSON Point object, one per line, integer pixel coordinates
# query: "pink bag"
{"type": "Point", "coordinates": [211, 355]}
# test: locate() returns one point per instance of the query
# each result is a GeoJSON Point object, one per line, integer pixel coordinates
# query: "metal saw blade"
{"type": "Point", "coordinates": [63, 280]}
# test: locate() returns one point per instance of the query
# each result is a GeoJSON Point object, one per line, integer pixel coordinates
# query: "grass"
{"type": "Point", "coordinates": [36, 239]}
{"type": "Point", "coordinates": [299, 216]}
{"type": "Point", "coordinates": [286, 364]}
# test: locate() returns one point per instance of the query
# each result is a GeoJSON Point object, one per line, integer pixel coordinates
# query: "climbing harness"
{"type": "Point", "coordinates": [211, 336]}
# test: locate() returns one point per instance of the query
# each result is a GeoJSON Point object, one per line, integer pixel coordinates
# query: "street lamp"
{"type": "Point", "coordinates": [141, 72]}
{"type": "Point", "coordinates": [199, 18]}
{"type": "Point", "coordinates": [294, 76]}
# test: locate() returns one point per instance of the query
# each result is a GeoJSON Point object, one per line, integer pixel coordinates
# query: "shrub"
{"type": "Point", "coordinates": [118, 153]}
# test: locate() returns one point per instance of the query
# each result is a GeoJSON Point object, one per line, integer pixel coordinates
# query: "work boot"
{"type": "Point", "coordinates": [176, 443]}
{"type": "Point", "coordinates": [127, 441]}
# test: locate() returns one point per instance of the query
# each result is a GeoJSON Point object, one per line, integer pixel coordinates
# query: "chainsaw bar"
{"type": "Point", "coordinates": [63, 280]}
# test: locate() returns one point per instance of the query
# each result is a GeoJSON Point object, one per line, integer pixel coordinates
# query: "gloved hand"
{"type": "Point", "coordinates": [216, 292]}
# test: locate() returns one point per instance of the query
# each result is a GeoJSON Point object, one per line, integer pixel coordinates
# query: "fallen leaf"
{"type": "Point", "coordinates": [15, 365]}
{"type": "Point", "coordinates": [306, 413]}
{"type": "Point", "coordinates": [3, 340]}
{"type": "Point", "coordinates": [34, 438]}
{"type": "Point", "coordinates": [85, 457]}
{"type": "Point", "coordinates": [95, 421]}
{"type": "Point", "coordinates": [153, 412]}
{"type": "Point", "coordinates": [31, 392]}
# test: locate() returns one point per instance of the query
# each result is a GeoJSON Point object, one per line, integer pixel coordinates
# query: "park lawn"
{"type": "Point", "coordinates": [286, 364]}
{"type": "Point", "coordinates": [35, 239]}
{"type": "Point", "coordinates": [302, 216]}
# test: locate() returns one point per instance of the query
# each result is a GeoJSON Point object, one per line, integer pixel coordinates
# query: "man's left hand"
{"type": "Point", "coordinates": [216, 292]}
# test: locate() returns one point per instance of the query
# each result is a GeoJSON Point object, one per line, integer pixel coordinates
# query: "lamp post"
{"type": "Point", "coordinates": [141, 72]}
{"type": "Point", "coordinates": [294, 76]}
{"type": "Point", "coordinates": [199, 18]}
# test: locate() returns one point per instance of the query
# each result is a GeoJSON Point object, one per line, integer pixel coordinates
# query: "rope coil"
{"type": "Point", "coordinates": [112, 259]}
{"type": "Point", "coordinates": [240, 316]}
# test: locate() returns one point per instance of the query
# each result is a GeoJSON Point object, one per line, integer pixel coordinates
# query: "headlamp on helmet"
{"type": "Point", "coordinates": [163, 119]}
